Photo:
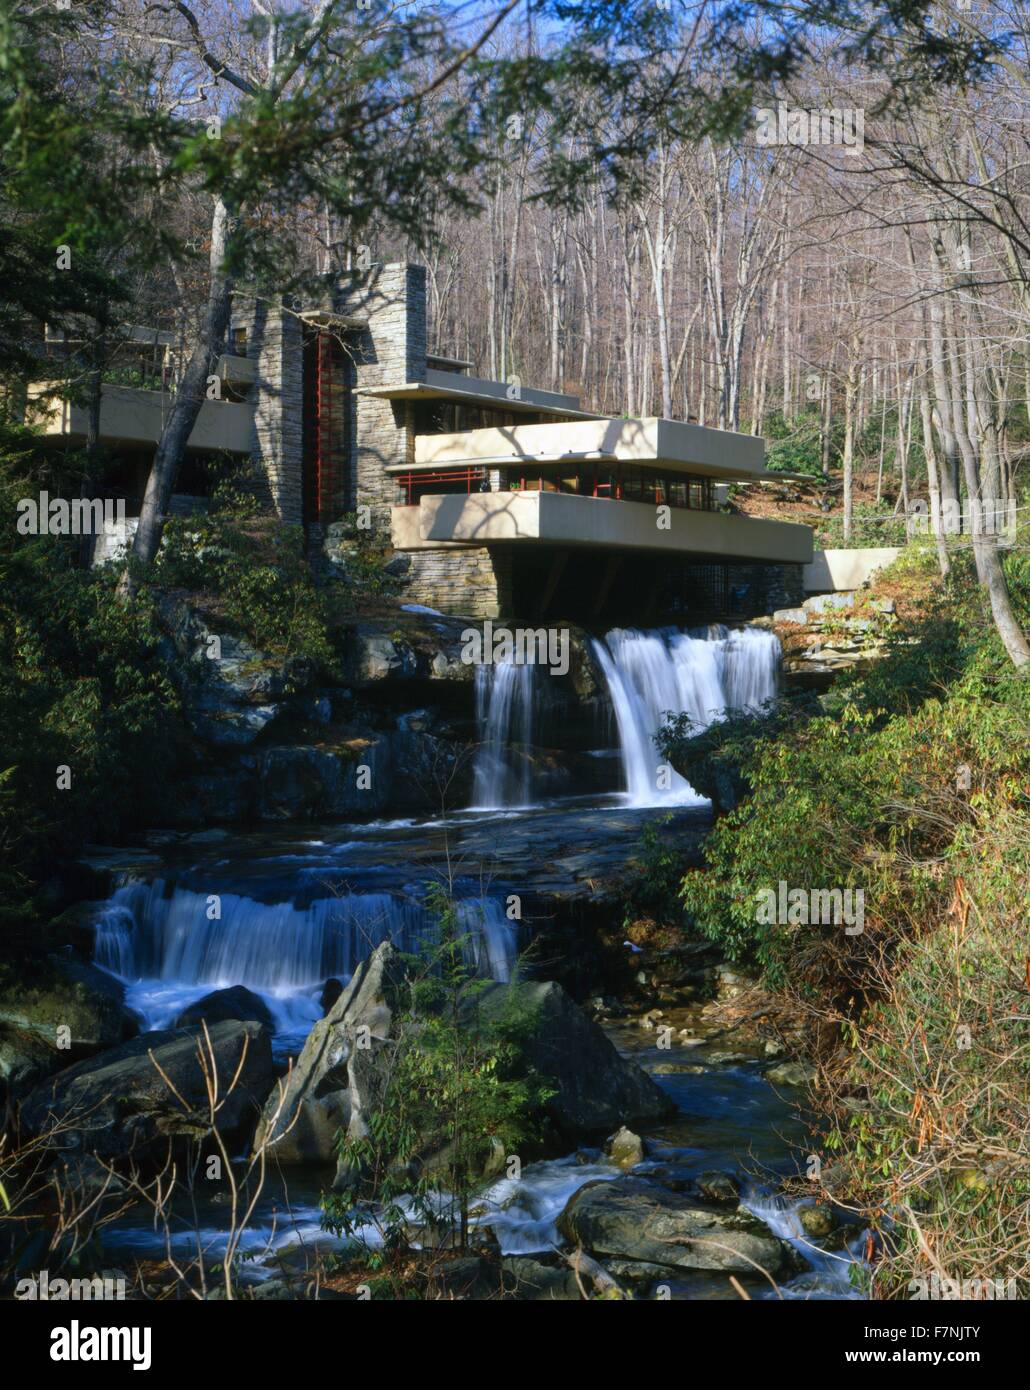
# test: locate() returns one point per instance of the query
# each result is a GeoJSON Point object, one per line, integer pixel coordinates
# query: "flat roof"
{"type": "Point", "coordinates": [651, 442]}
{"type": "Point", "coordinates": [326, 318]}
{"type": "Point", "coordinates": [450, 361]}
{"type": "Point", "coordinates": [463, 390]}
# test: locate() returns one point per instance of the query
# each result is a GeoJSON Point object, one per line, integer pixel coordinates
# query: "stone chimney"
{"type": "Point", "coordinates": [391, 351]}
{"type": "Point", "coordinates": [275, 344]}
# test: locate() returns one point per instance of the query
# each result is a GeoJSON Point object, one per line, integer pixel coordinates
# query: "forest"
{"type": "Point", "coordinates": [347, 955]}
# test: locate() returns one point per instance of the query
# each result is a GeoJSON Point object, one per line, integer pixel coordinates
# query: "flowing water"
{"type": "Point", "coordinates": [647, 675]}
{"type": "Point", "coordinates": [282, 914]}
{"type": "Point", "coordinates": [172, 942]}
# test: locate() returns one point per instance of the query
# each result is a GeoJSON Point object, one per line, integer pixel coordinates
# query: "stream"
{"type": "Point", "coordinates": [281, 911]}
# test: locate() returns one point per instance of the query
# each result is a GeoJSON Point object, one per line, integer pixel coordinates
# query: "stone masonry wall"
{"type": "Point", "coordinates": [274, 342]}
{"type": "Point", "coordinates": [391, 351]}
{"type": "Point", "coordinates": [473, 583]}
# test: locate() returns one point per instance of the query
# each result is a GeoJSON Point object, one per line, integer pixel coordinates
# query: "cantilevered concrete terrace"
{"type": "Point", "coordinates": [133, 416]}
{"type": "Point", "coordinates": [540, 509]}
{"type": "Point", "coordinates": [561, 519]}
{"type": "Point", "coordinates": [670, 443]}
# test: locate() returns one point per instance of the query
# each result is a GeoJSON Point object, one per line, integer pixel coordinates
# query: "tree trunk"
{"type": "Point", "coordinates": [189, 398]}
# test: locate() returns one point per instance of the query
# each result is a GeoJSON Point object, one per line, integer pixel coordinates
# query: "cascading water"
{"type": "Point", "coordinates": [172, 944]}
{"type": "Point", "coordinates": [505, 708]}
{"type": "Point", "coordinates": [651, 674]}
{"type": "Point", "coordinates": [702, 673]}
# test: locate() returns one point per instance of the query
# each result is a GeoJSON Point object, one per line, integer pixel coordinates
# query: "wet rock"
{"type": "Point", "coordinates": [119, 1104]}
{"type": "Point", "coordinates": [791, 1074]}
{"type": "Point", "coordinates": [632, 1219]}
{"type": "Point", "coordinates": [624, 1148]}
{"type": "Point", "coordinates": [238, 1003]}
{"type": "Point", "coordinates": [528, 1279]}
{"type": "Point", "coordinates": [468, 1277]}
{"type": "Point", "coordinates": [71, 1005]}
{"type": "Point", "coordinates": [720, 1188]}
{"type": "Point", "coordinates": [25, 1060]}
{"type": "Point", "coordinates": [816, 1221]}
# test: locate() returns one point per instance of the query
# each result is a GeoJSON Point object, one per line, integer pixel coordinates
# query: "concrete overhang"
{"type": "Point", "coordinates": [471, 390]}
{"type": "Point", "coordinates": [670, 444]}
{"type": "Point", "coordinates": [563, 519]}
{"type": "Point", "coordinates": [338, 323]}
{"type": "Point", "coordinates": [132, 416]}
{"type": "Point", "coordinates": [451, 362]}
{"type": "Point", "coordinates": [238, 369]}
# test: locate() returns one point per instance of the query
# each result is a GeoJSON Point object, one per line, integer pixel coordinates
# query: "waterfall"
{"type": "Point", "coordinates": [505, 709]}
{"type": "Point", "coordinates": [702, 673]}
{"type": "Point", "coordinates": [173, 944]}
{"type": "Point", "coordinates": [650, 674]}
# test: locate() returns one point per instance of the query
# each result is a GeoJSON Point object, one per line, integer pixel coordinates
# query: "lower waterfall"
{"type": "Point", "coordinates": [163, 940]}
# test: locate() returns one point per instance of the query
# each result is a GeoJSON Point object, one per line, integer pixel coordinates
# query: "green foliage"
{"type": "Point", "coordinates": [832, 796]}
{"type": "Point", "coordinates": [795, 445]}
{"type": "Point", "coordinates": [254, 571]}
{"type": "Point", "coordinates": [870, 526]}
{"type": "Point", "coordinates": [453, 1094]}
{"type": "Point", "coordinates": [911, 782]}
{"type": "Point", "coordinates": [652, 889]}
{"type": "Point", "coordinates": [81, 686]}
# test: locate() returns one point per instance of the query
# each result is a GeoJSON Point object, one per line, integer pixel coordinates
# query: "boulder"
{"type": "Point", "coordinates": [596, 1089]}
{"type": "Point", "coordinates": [822, 603]}
{"type": "Point", "coordinates": [237, 1004]}
{"type": "Point", "coordinates": [25, 1060]}
{"type": "Point", "coordinates": [119, 1104]}
{"type": "Point", "coordinates": [791, 1074]}
{"type": "Point", "coordinates": [816, 1221]}
{"type": "Point", "coordinates": [624, 1148]}
{"type": "Point", "coordinates": [65, 993]}
{"type": "Point", "coordinates": [304, 1112]}
{"type": "Point", "coordinates": [528, 1279]}
{"type": "Point", "coordinates": [230, 690]}
{"type": "Point", "coordinates": [718, 1188]}
{"type": "Point", "coordinates": [632, 1219]}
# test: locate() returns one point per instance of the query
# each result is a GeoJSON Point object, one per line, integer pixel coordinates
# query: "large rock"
{"type": "Point", "coordinates": [70, 1005]}
{"type": "Point", "coordinates": [631, 1219]}
{"type": "Point", "coordinates": [596, 1090]}
{"type": "Point", "coordinates": [119, 1104]}
{"type": "Point", "coordinates": [25, 1060]}
{"type": "Point", "coordinates": [231, 691]}
{"type": "Point", "coordinates": [414, 648]}
{"type": "Point", "coordinates": [304, 1113]}
{"type": "Point", "coordinates": [335, 1083]}
{"type": "Point", "coordinates": [237, 1004]}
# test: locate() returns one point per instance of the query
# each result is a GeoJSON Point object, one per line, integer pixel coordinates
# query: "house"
{"type": "Point", "coordinates": [505, 499]}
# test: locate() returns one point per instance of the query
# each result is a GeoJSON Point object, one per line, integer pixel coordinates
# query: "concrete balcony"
{"type": "Point", "coordinates": [670, 444]}
{"type": "Point", "coordinates": [129, 415]}
{"type": "Point", "coordinates": [563, 519]}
